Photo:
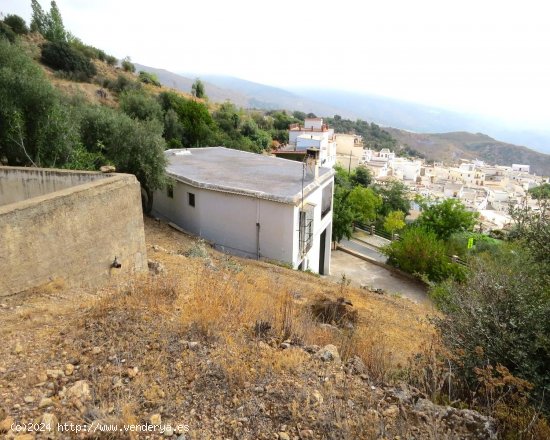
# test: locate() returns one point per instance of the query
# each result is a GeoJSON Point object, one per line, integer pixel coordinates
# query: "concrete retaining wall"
{"type": "Point", "coordinates": [71, 234]}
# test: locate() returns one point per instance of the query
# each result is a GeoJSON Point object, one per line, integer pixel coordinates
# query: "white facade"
{"type": "Point", "coordinates": [313, 129]}
{"type": "Point", "coordinates": [241, 217]}
{"type": "Point", "coordinates": [519, 167]}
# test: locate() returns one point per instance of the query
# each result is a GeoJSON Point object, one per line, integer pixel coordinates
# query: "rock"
{"type": "Point", "coordinates": [284, 345]}
{"type": "Point", "coordinates": [69, 369]}
{"type": "Point", "coordinates": [96, 350]}
{"type": "Point", "coordinates": [24, 437]}
{"type": "Point", "coordinates": [156, 267]}
{"type": "Point", "coordinates": [329, 353]}
{"type": "Point", "coordinates": [54, 374]}
{"type": "Point", "coordinates": [391, 412]}
{"type": "Point", "coordinates": [154, 393]}
{"type": "Point", "coordinates": [155, 419]}
{"type": "Point", "coordinates": [356, 366]}
{"type": "Point", "coordinates": [50, 422]}
{"type": "Point", "coordinates": [45, 402]}
{"type": "Point", "coordinates": [306, 433]}
{"type": "Point", "coordinates": [283, 436]}
{"type": "Point", "coordinates": [168, 431]}
{"type": "Point", "coordinates": [80, 390]}
{"type": "Point", "coordinates": [17, 348]}
{"type": "Point", "coordinates": [3, 306]}
{"type": "Point", "coordinates": [5, 425]}
{"type": "Point", "coordinates": [107, 169]}
{"type": "Point", "coordinates": [312, 349]}
{"type": "Point", "coordinates": [28, 399]}
{"type": "Point", "coordinates": [133, 372]}
{"type": "Point", "coordinates": [193, 345]}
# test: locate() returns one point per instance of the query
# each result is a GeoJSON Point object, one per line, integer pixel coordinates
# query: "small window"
{"type": "Point", "coordinates": [191, 198]}
{"type": "Point", "coordinates": [170, 191]}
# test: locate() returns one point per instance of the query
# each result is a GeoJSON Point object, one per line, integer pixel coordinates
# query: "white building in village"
{"type": "Point", "coordinates": [252, 205]}
{"type": "Point", "coordinates": [314, 134]}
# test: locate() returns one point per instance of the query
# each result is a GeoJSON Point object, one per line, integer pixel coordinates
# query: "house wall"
{"type": "Point", "coordinates": [345, 144]}
{"type": "Point", "coordinates": [72, 234]}
{"type": "Point", "coordinates": [229, 220]}
{"type": "Point", "coordinates": [311, 260]}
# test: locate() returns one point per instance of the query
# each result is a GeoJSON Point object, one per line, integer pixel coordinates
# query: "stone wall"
{"type": "Point", "coordinates": [18, 184]}
{"type": "Point", "coordinates": [72, 234]}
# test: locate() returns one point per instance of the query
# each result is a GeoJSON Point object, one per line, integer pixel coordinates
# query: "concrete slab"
{"type": "Point", "coordinates": [376, 277]}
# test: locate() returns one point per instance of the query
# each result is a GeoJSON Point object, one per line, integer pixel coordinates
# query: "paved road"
{"type": "Point", "coordinates": [365, 249]}
{"type": "Point", "coordinates": [375, 277]}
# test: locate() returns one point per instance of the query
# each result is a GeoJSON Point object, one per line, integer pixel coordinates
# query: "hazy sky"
{"type": "Point", "coordinates": [487, 57]}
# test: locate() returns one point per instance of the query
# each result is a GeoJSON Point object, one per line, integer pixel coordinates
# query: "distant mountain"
{"type": "Point", "coordinates": [386, 112]}
{"type": "Point", "coordinates": [246, 94]}
{"type": "Point", "coordinates": [426, 119]}
{"type": "Point", "coordinates": [462, 145]}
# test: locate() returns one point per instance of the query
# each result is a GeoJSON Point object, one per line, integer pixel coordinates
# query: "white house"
{"type": "Point", "coordinates": [252, 205]}
{"type": "Point", "coordinates": [314, 133]}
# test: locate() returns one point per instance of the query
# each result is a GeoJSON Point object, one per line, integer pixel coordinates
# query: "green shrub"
{"type": "Point", "coordinates": [17, 24]}
{"type": "Point", "coordinates": [149, 78]}
{"type": "Point", "coordinates": [127, 65]}
{"type": "Point", "coordinates": [421, 253]}
{"type": "Point", "coordinates": [7, 33]}
{"type": "Point", "coordinates": [499, 315]}
{"type": "Point", "coordinates": [121, 84]}
{"type": "Point", "coordinates": [61, 56]}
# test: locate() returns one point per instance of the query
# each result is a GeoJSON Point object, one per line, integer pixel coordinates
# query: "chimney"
{"type": "Point", "coordinates": [312, 163]}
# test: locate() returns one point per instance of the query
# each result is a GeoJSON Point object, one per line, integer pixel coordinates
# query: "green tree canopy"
{"type": "Point", "coordinates": [140, 105]}
{"type": "Point", "coordinates": [361, 176]}
{"type": "Point", "coordinates": [395, 197]}
{"type": "Point", "coordinates": [394, 221]}
{"type": "Point", "coordinates": [364, 204]}
{"type": "Point", "coordinates": [198, 90]}
{"type": "Point", "coordinates": [16, 23]}
{"type": "Point", "coordinates": [446, 218]}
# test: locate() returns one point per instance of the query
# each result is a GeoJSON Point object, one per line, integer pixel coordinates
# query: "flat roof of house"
{"type": "Point", "coordinates": [240, 172]}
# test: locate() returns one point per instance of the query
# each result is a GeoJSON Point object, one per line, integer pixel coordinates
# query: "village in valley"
{"type": "Point", "coordinates": [179, 266]}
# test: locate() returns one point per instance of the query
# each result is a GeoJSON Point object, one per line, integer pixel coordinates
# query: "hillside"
{"type": "Point", "coordinates": [227, 347]}
{"type": "Point", "coordinates": [462, 145]}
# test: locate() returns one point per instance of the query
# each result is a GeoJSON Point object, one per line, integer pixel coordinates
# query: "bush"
{"type": "Point", "coordinates": [61, 56]}
{"type": "Point", "coordinates": [149, 78]}
{"type": "Point", "coordinates": [499, 315]}
{"type": "Point", "coordinates": [17, 24]}
{"type": "Point", "coordinates": [7, 33]}
{"type": "Point", "coordinates": [121, 84]}
{"type": "Point", "coordinates": [140, 105]}
{"type": "Point", "coordinates": [421, 253]}
{"type": "Point", "coordinates": [128, 66]}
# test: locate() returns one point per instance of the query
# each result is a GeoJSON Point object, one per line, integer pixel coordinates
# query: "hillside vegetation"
{"type": "Point", "coordinates": [453, 146]}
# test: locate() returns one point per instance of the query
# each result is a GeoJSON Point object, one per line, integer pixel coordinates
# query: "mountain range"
{"type": "Point", "coordinates": [437, 133]}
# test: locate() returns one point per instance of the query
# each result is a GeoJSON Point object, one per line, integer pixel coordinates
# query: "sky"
{"type": "Point", "coordinates": [484, 57]}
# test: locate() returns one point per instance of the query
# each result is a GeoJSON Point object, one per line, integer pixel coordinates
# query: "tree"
{"type": "Point", "coordinates": [446, 218]}
{"type": "Point", "coordinates": [395, 197]}
{"type": "Point", "coordinates": [364, 204]}
{"type": "Point", "coordinates": [342, 215]}
{"type": "Point", "coordinates": [54, 30]}
{"type": "Point", "coordinates": [394, 221]}
{"type": "Point", "coordinates": [36, 128]}
{"type": "Point", "coordinates": [197, 89]}
{"type": "Point", "coordinates": [17, 24]}
{"type": "Point", "coordinates": [38, 18]}
{"type": "Point", "coordinates": [541, 192]}
{"type": "Point", "coordinates": [133, 146]}
{"type": "Point", "coordinates": [361, 176]}
{"type": "Point", "coordinates": [140, 105]}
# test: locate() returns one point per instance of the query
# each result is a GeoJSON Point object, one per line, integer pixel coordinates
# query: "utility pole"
{"type": "Point", "coordinates": [349, 166]}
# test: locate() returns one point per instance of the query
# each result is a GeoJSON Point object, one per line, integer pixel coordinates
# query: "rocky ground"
{"type": "Point", "coordinates": [211, 347]}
